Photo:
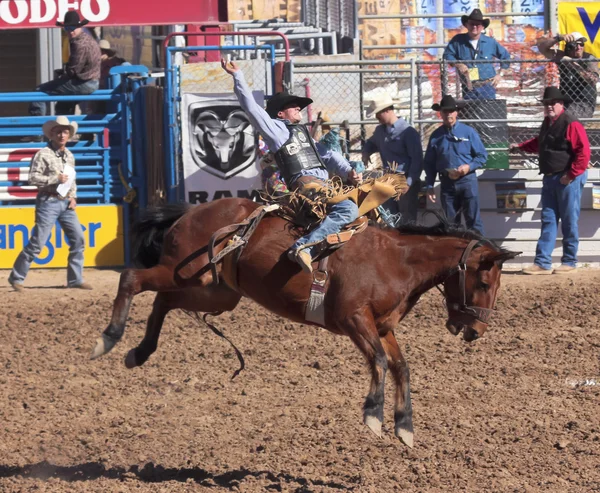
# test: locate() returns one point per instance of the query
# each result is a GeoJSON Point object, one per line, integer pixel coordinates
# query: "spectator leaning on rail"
{"type": "Point", "coordinates": [455, 151]}
{"type": "Point", "coordinates": [478, 80]}
{"type": "Point", "coordinates": [564, 155]}
{"type": "Point", "coordinates": [398, 144]}
{"type": "Point", "coordinates": [82, 72]}
{"type": "Point", "coordinates": [577, 69]}
{"type": "Point", "coordinates": [52, 167]}
{"type": "Point", "coordinates": [298, 157]}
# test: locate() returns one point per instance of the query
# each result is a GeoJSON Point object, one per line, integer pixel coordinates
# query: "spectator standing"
{"type": "Point", "coordinates": [52, 170]}
{"type": "Point", "coordinates": [109, 59]}
{"type": "Point", "coordinates": [455, 151]}
{"type": "Point", "coordinates": [478, 80]}
{"type": "Point", "coordinates": [82, 72]}
{"type": "Point", "coordinates": [399, 145]}
{"type": "Point", "coordinates": [564, 154]}
{"type": "Point", "coordinates": [577, 69]}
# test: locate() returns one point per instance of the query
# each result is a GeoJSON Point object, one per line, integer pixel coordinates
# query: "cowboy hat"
{"type": "Point", "coordinates": [104, 45]}
{"type": "Point", "coordinates": [448, 103]}
{"type": "Point", "coordinates": [476, 16]}
{"type": "Point", "coordinates": [555, 94]}
{"type": "Point", "coordinates": [379, 103]}
{"type": "Point", "coordinates": [72, 20]}
{"type": "Point", "coordinates": [61, 121]}
{"type": "Point", "coordinates": [282, 99]}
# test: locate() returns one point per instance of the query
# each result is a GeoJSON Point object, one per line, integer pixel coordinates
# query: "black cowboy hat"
{"type": "Point", "coordinates": [477, 16]}
{"type": "Point", "coordinates": [72, 20]}
{"type": "Point", "coordinates": [555, 94]}
{"type": "Point", "coordinates": [282, 99]}
{"type": "Point", "coordinates": [448, 103]}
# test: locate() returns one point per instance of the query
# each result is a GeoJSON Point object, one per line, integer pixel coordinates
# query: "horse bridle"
{"type": "Point", "coordinates": [480, 314]}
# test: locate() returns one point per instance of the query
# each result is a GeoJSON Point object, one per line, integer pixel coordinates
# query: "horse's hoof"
{"type": "Point", "coordinates": [103, 345]}
{"type": "Point", "coordinates": [130, 361]}
{"type": "Point", "coordinates": [374, 424]}
{"type": "Point", "coordinates": [405, 436]}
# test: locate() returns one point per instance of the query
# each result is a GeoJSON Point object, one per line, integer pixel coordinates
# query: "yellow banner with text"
{"type": "Point", "coordinates": [102, 229]}
{"type": "Point", "coordinates": [583, 18]}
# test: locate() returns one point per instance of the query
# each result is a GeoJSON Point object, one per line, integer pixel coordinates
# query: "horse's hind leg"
{"type": "Point", "coordinates": [365, 336]}
{"type": "Point", "coordinates": [140, 354]}
{"type": "Point", "coordinates": [132, 282]}
{"type": "Point", "coordinates": [402, 406]}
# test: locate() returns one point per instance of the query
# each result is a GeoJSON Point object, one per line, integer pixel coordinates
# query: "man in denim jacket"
{"type": "Point", "coordinates": [478, 80]}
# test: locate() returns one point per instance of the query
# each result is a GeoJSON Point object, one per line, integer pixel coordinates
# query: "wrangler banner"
{"type": "Point", "coordinates": [102, 227]}
{"type": "Point", "coordinates": [583, 18]}
{"type": "Point", "coordinates": [23, 14]}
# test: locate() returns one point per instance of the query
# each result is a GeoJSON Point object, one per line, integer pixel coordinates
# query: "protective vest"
{"type": "Point", "coordinates": [297, 154]}
{"type": "Point", "coordinates": [555, 151]}
{"type": "Point", "coordinates": [573, 84]}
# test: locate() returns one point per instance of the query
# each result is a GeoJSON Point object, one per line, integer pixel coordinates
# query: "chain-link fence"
{"type": "Point", "coordinates": [504, 108]}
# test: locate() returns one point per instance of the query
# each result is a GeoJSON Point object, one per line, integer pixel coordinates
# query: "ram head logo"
{"type": "Point", "coordinates": [223, 141]}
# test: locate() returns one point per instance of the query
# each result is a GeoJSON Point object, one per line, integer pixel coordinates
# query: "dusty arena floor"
{"type": "Point", "coordinates": [516, 411]}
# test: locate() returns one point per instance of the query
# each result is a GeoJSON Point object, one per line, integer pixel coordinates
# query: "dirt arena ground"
{"type": "Point", "coordinates": [516, 411]}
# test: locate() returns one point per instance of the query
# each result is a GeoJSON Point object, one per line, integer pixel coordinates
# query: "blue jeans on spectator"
{"type": "Point", "coordinates": [462, 195]}
{"type": "Point", "coordinates": [339, 215]}
{"type": "Point", "coordinates": [48, 210]}
{"type": "Point", "coordinates": [560, 202]}
{"type": "Point", "coordinates": [408, 205]}
{"type": "Point", "coordinates": [63, 87]}
{"type": "Point", "coordinates": [486, 91]}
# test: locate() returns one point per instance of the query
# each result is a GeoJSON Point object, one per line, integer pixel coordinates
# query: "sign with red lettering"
{"type": "Point", "coordinates": [23, 14]}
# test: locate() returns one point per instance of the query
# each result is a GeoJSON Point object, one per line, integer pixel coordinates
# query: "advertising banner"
{"type": "Point", "coordinates": [583, 18]}
{"type": "Point", "coordinates": [102, 229]}
{"type": "Point", "coordinates": [511, 195]}
{"type": "Point", "coordinates": [220, 148]}
{"type": "Point", "coordinates": [23, 14]}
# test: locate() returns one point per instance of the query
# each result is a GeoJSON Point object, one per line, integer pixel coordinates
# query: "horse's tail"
{"type": "Point", "coordinates": [149, 232]}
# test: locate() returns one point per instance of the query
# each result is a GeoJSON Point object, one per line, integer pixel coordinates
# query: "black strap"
{"type": "Point", "coordinates": [238, 353]}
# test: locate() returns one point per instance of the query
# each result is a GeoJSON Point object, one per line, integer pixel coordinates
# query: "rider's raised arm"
{"type": "Point", "coordinates": [273, 131]}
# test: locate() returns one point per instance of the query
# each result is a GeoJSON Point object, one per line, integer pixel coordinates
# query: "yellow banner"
{"type": "Point", "coordinates": [583, 18]}
{"type": "Point", "coordinates": [102, 229]}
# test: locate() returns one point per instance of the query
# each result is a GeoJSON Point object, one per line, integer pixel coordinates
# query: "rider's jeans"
{"type": "Point", "coordinates": [339, 215]}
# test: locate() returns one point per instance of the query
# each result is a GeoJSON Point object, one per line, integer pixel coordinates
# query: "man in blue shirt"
{"type": "Point", "coordinates": [478, 80]}
{"type": "Point", "coordinates": [399, 145]}
{"type": "Point", "coordinates": [299, 158]}
{"type": "Point", "coordinates": [455, 151]}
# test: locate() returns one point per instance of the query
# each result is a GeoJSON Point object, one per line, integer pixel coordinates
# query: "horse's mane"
{"type": "Point", "coordinates": [443, 227]}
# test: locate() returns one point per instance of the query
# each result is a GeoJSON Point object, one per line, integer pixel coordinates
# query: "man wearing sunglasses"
{"type": "Point", "coordinates": [577, 69]}
{"type": "Point", "coordinates": [299, 158]}
{"type": "Point", "coordinates": [82, 72]}
{"type": "Point", "coordinates": [564, 154]}
{"type": "Point", "coordinates": [465, 50]}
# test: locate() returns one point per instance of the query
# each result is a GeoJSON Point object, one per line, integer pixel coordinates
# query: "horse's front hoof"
{"type": "Point", "coordinates": [130, 361]}
{"type": "Point", "coordinates": [405, 436]}
{"type": "Point", "coordinates": [374, 424]}
{"type": "Point", "coordinates": [103, 345]}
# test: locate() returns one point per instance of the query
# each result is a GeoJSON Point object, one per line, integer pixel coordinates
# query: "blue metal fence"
{"type": "Point", "coordinates": [103, 153]}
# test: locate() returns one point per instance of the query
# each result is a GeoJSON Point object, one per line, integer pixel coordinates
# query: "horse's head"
{"type": "Point", "coordinates": [471, 291]}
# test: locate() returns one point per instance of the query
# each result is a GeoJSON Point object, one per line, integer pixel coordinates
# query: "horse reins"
{"type": "Point", "coordinates": [480, 314]}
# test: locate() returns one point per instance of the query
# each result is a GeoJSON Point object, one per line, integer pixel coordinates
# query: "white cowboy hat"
{"type": "Point", "coordinates": [61, 121]}
{"type": "Point", "coordinates": [379, 103]}
{"type": "Point", "coordinates": [104, 45]}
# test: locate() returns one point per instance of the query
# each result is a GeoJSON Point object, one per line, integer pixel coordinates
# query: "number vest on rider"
{"type": "Point", "coordinates": [298, 154]}
{"type": "Point", "coordinates": [556, 153]}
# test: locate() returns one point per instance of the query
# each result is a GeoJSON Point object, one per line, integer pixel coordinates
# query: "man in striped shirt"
{"type": "Point", "coordinates": [52, 167]}
{"type": "Point", "coordinates": [82, 72]}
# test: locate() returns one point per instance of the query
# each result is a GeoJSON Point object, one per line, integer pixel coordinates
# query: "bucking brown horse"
{"type": "Point", "coordinates": [373, 282]}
